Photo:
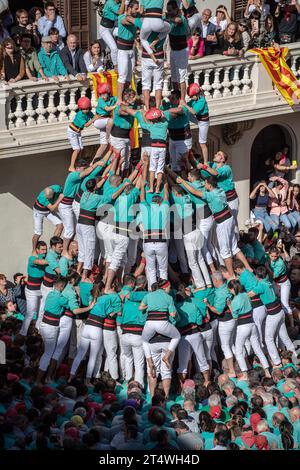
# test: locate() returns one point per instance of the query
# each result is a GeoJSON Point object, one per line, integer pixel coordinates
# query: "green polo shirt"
{"type": "Point", "coordinates": [123, 208]}
{"type": "Point", "coordinates": [159, 301]}
{"type": "Point", "coordinates": [72, 184]}
{"type": "Point", "coordinates": [34, 270]}
{"type": "Point", "coordinates": [222, 294]}
{"type": "Point", "coordinates": [248, 280]}
{"type": "Point", "coordinates": [199, 106]}
{"type": "Point", "coordinates": [70, 294]}
{"type": "Point", "coordinates": [265, 291]}
{"type": "Point", "coordinates": [240, 305]}
{"type": "Point", "coordinates": [224, 178]}
{"type": "Point", "coordinates": [131, 314]}
{"type": "Point", "coordinates": [110, 10]}
{"type": "Point", "coordinates": [158, 130]}
{"type": "Point", "coordinates": [278, 267]}
{"type": "Point", "coordinates": [154, 216]}
{"type": "Point", "coordinates": [53, 262]}
{"type": "Point", "coordinates": [188, 313]}
{"type": "Point", "coordinates": [101, 105]}
{"type": "Point", "coordinates": [56, 303]}
{"type": "Point", "coordinates": [128, 32]}
{"type": "Point", "coordinates": [216, 200]}
{"type": "Point", "coordinates": [57, 190]}
{"type": "Point", "coordinates": [82, 118]}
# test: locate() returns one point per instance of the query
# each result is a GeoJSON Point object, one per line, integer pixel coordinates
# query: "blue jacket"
{"type": "Point", "coordinates": [52, 63]}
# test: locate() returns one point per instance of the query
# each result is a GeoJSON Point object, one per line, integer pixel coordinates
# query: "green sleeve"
{"type": "Point", "coordinates": [61, 70]}
{"type": "Point", "coordinates": [171, 307]}
{"type": "Point", "coordinates": [258, 289]}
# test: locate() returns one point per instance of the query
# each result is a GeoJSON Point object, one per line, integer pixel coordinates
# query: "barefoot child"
{"type": "Point", "coordinates": [103, 121]}
{"type": "Point", "coordinates": [83, 117]}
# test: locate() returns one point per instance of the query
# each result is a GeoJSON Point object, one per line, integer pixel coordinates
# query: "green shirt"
{"type": "Point", "coordinates": [72, 184]}
{"type": "Point", "coordinates": [110, 10]}
{"type": "Point", "coordinates": [101, 105]}
{"type": "Point", "coordinates": [278, 267]}
{"type": "Point", "coordinates": [34, 270]}
{"type": "Point", "coordinates": [154, 216]}
{"type": "Point", "coordinates": [265, 291]}
{"type": "Point", "coordinates": [222, 294]}
{"type": "Point", "coordinates": [131, 314]}
{"type": "Point", "coordinates": [65, 264]}
{"type": "Point", "coordinates": [181, 121]}
{"type": "Point", "coordinates": [199, 106]}
{"type": "Point", "coordinates": [196, 200]}
{"type": "Point", "coordinates": [53, 262]}
{"type": "Point", "coordinates": [56, 303]}
{"type": "Point", "coordinates": [128, 32]}
{"type": "Point", "coordinates": [240, 305]}
{"type": "Point", "coordinates": [188, 313]}
{"type": "Point", "coordinates": [224, 178]}
{"type": "Point", "coordinates": [159, 301]}
{"type": "Point", "coordinates": [183, 205]}
{"type": "Point", "coordinates": [248, 280]}
{"type": "Point", "coordinates": [157, 4]}
{"type": "Point", "coordinates": [123, 208]}
{"type": "Point", "coordinates": [85, 289]}
{"type": "Point", "coordinates": [158, 130]}
{"type": "Point", "coordinates": [124, 122]}
{"type": "Point", "coordinates": [248, 251]}
{"type": "Point", "coordinates": [82, 118]}
{"type": "Point", "coordinates": [216, 200]}
{"type": "Point", "coordinates": [70, 294]}
{"type": "Point", "coordinates": [259, 252]}
{"type": "Point", "coordinates": [90, 201]}
{"type": "Point", "coordinates": [199, 295]}
{"type": "Point", "coordinates": [57, 190]}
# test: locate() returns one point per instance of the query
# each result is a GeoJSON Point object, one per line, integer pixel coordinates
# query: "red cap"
{"type": "Point", "coordinates": [73, 433]}
{"type": "Point", "coordinates": [47, 390]}
{"type": "Point", "coordinates": [103, 88]}
{"type": "Point", "coordinates": [84, 103]}
{"type": "Point", "coordinates": [109, 398]}
{"type": "Point", "coordinates": [215, 412]}
{"type": "Point", "coordinates": [194, 89]}
{"type": "Point", "coordinates": [153, 113]}
{"type": "Point", "coordinates": [255, 418]}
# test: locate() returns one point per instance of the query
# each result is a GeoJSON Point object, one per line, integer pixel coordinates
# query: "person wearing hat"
{"type": "Point", "coordinates": [128, 23]}
{"type": "Point", "coordinates": [198, 108]}
{"type": "Point", "coordinates": [103, 120]}
{"type": "Point", "coordinates": [71, 187]}
{"type": "Point", "coordinates": [83, 118]}
{"type": "Point", "coordinates": [50, 61]}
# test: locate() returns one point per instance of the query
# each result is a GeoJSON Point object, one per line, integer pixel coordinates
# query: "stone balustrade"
{"type": "Point", "coordinates": [34, 115]}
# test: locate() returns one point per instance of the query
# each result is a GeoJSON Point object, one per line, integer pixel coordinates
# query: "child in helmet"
{"type": "Point", "coordinates": [198, 108]}
{"type": "Point", "coordinates": [84, 118]}
{"type": "Point", "coordinates": [103, 120]}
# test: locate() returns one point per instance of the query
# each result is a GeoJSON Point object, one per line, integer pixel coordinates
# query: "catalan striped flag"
{"type": "Point", "coordinates": [274, 61]}
{"type": "Point", "coordinates": [111, 78]}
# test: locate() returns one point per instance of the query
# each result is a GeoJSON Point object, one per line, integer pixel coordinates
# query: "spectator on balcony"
{"type": "Point", "coordinates": [196, 45]}
{"type": "Point", "coordinates": [269, 34]}
{"type": "Point", "coordinates": [92, 58]}
{"type": "Point", "coordinates": [230, 43]}
{"type": "Point", "coordinates": [57, 42]}
{"type": "Point", "coordinates": [23, 26]}
{"type": "Point", "coordinates": [287, 18]}
{"type": "Point", "coordinates": [221, 19]}
{"type": "Point", "coordinates": [50, 20]}
{"type": "Point", "coordinates": [252, 5]}
{"type": "Point", "coordinates": [4, 34]}
{"type": "Point", "coordinates": [13, 67]}
{"type": "Point", "coordinates": [72, 57]}
{"type": "Point", "coordinates": [29, 54]}
{"type": "Point", "coordinates": [208, 32]}
{"type": "Point", "coordinates": [50, 60]}
{"type": "Point", "coordinates": [245, 36]}
{"type": "Point", "coordinates": [35, 14]}
{"type": "Point", "coordinates": [255, 29]}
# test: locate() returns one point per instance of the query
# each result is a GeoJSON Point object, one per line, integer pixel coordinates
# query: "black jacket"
{"type": "Point", "coordinates": [66, 57]}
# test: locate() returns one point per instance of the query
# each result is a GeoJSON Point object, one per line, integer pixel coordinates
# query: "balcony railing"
{"type": "Point", "coordinates": [34, 115]}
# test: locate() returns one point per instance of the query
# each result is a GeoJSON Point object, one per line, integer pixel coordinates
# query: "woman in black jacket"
{"type": "Point", "coordinates": [230, 43]}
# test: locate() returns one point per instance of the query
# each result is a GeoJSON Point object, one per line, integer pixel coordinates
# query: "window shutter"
{"type": "Point", "coordinates": [237, 9]}
{"type": "Point", "coordinates": [62, 7]}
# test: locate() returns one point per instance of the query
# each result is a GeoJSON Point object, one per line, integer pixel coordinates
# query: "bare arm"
{"type": "Point", "coordinates": [189, 187]}
{"type": "Point", "coordinates": [122, 8]}
{"type": "Point", "coordinates": [254, 191]}
{"type": "Point", "coordinates": [53, 207]}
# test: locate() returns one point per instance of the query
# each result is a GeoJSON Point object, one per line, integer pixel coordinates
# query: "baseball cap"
{"type": "Point", "coordinates": [215, 412]}
{"type": "Point", "coordinates": [109, 398]}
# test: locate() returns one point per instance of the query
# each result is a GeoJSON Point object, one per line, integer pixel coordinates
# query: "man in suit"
{"type": "Point", "coordinates": [208, 32]}
{"type": "Point", "coordinates": [72, 57]}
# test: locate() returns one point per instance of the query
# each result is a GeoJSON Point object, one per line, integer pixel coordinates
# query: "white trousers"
{"type": "Point", "coordinates": [179, 64]}
{"type": "Point", "coordinates": [67, 217]}
{"type": "Point", "coordinates": [33, 299]}
{"type": "Point", "coordinates": [44, 291]}
{"type": "Point", "coordinates": [177, 149]}
{"type": "Point", "coordinates": [106, 34]}
{"type": "Point", "coordinates": [234, 209]}
{"type": "Point", "coordinates": [158, 351]}
{"type": "Point", "coordinates": [119, 245]}
{"type": "Point", "coordinates": [227, 238]}
{"type": "Point", "coordinates": [76, 209]}
{"type": "Point", "coordinates": [161, 327]}
{"type": "Point", "coordinates": [49, 334]}
{"type": "Point", "coordinates": [86, 236]}
{"type": "Point", "coordinates": [194, 21]}
{"type": "Point", "coordinates": [123, 146]}
{"type": "Point", "coordinates": [244, 332]}
{"type": "Point", "coordinates": [121, 351]}
{"type": "Point", "coordinates": [150, 25]}
{"type": "Point", "coordinates": [157, 159]}
{"type": "Point", "coordinates": [105, 233]}
{"type": "Point", "coordinates": [192, 244]}
{"type": "Point", "coordinates": [101, 124]}
{"type": "Point", "coordinates": [126, 63]}
{"type": "Point", "coordinates": [156, 252]}
{"type": "Point", "coordinates": [275, 326]}
{"type": "Point", "coordinates": [134, 357]}
{"type": "Point", "coordinates": [76, 332]}
{"type": "Point", "coordinates": [65, 328]}
{"type": "Point", "coordinates": [203, 131]}
{"type": "Point", "coordinates": [226, 330]}
{"type": "Point", "coordinates": [151, 71]}
{"type": "Point", "coordinates": [259, 317]}
{"type": "Point", "coordinates": [38, 220]}
{"type": "Point", "coordinates": [284, 289]}
{"type": "Point", "coordinates": [208, 341]}
{"type": "Point", "coordinates": [191, 344]}
{"type": "Point", "coordinates": [91, 339]}
{"type": "Point", "coordinates": [110, 341]}
{"type": "Point", "coordinates": [206, 228]}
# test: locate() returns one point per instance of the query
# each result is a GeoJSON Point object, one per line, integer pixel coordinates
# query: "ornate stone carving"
{"type": "Point", "coordinates": [233, 132]}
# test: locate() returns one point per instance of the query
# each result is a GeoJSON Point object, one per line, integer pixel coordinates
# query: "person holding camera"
{"type": "Point", "coordinates": [287, 13]}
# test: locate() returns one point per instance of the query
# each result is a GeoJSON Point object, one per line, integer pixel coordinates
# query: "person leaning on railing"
{"type": "Point", "coordinates": [29, 54]}
{"type": "Point", "coordinates": [230, 43]}
{"type": "Point", "coordinates": [13, 65]}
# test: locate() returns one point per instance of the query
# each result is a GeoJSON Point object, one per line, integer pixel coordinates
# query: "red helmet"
{"type": "Point", "coordinates": [103, 88]}
{"type": "Point", "coordinates": [194, 89]}
{"type": "Point", "coordinates": [84, 103]}
{"type": "Point", "coordinates": [153, 113]}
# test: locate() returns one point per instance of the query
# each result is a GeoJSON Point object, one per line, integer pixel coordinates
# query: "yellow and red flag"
{"type": "Point", "coordinates": [274, 61]}
{"type": "Point", "coordinates": [111, 78]}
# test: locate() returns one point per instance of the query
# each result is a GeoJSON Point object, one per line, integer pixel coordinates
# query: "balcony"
{"type": "Point", "coordinates": [34, 115]}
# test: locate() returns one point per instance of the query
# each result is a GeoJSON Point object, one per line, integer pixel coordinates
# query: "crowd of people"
{"type": "Point", "coordinates": [151, 321]}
